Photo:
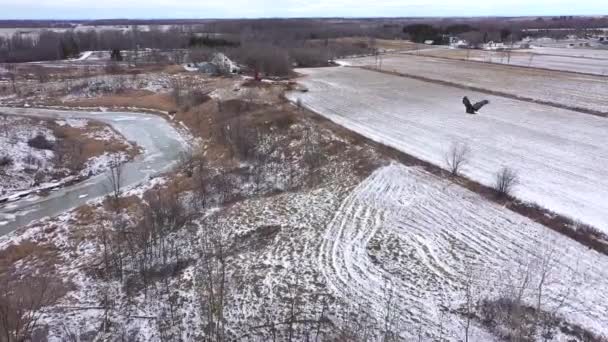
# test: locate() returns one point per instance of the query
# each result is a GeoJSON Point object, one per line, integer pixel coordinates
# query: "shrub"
{"type": "Point", "coordinates": [5, 161]}
{"type": "Point", "coordinates": [31, 160]}
{"type": "Point", "coordinates": [194, 98]}
{"type": "Point", "coordinates": [505, 180]}
{"type": "Point", "coordinates": [457, 157]}
{"type": "Point", "coordinates": [40, 142]}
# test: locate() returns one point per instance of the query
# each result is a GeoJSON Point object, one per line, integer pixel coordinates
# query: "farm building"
{"type": "Point", "coordinates": [220, 64]}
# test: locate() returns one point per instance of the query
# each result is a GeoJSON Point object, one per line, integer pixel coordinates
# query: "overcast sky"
{"type": "Point", "coordinates": [89, 9]}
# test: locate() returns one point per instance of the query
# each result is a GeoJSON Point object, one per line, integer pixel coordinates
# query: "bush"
{"type": "Point", "coordinates": [31, 160]}
{"type": "Point", "coordinates": [40, 142]}
{"type": "Point", "coordinates": [196, 97]}
{"type": "Point", "coordinates": [5, 161]}
{"type": "Point", "coordinates": [505, 180]}
{"type": "Point", "coordinates": [457, 157]}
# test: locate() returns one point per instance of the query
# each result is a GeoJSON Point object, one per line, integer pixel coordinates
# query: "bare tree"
{"type": "Point", "coordinates": [115, 178]}
{"type": "Point", "coordinates": [41, 73]}
{"type": "Point", "coordinates": [506, 179]}
{"type": "Point", "coordinates": [312, 157]}
{"type": "Point", "coordinates": [178, 56]}
{"type": "Point", "coordinates": [473, 289]}
{"type": "Point", "coordinates": [12, 75]}
{"type": "Point", "coordinates": [112, 67]}
{"type": "Point", "coordinates": [6, 127]}
{"type": "Point", "coordinates": [21, 304]}
{"type": "Point", "coordinates": [177, 89]}
{"type": "Point", "coordinates": [86, 71]}
{"type": "Point", "coordinates": [212, 279]}
{"type": "Point", "coordinates": [391, 314]}
{"type": "Point", "coordinates": [457, 157]}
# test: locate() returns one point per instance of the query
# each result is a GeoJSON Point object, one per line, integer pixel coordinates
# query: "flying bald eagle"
{"type": "Point", "coordinates": [473, 108]}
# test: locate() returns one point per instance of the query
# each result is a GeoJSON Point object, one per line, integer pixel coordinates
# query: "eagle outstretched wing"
{"type": "Point", "coordinates": [473, 108]}
{"type": "Point", "coordinates": [467, 105]}
{"type": "Point", "coordinates": [480, 104]}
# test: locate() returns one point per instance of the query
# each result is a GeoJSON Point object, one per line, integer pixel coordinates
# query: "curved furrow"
{"type": "Point", "coordinates": [407, 232]}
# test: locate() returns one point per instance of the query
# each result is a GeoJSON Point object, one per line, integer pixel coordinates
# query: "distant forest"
{"type": "Point", "coordinates": [304, 42]}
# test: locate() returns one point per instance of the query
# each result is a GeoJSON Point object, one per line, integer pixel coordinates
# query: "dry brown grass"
{"type": "Point", "coordinates": [139, 99]}
{"type": "Point", "coordinates": [173, 69]}
{"type": "Point", "coordinates": [75, 141]}
{"type": "Point", "coordinates": [85, 215]}
{"type": "Point", "coordinates": [129, 204]}
{"type": "Point", "coordinates": [27, 251]}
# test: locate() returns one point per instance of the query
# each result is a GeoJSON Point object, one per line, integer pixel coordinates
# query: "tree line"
{"type": "Point", "coordinates": [50, 45]}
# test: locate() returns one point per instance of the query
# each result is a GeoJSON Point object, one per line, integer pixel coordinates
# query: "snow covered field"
{"type": "Point", "coordinates": [573, 52]}
{"type": "Point", "coordinates": [401, 235]}
{"type": "Point", "coordinates": [559, 154]}
{"type": "Point", "coordinates": [561, 62]}
{"type": "Point", "coordinates": [420, 237]}
{"type": "Point", "coordinates": [569, 89]}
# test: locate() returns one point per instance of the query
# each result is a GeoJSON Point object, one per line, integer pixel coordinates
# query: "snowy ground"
{"type": "Point", "coordinates": [402, 240]}
{"type": "Point", "coordinates": [573, 52]}
{"type": "Point", "coordinates": [557, 153]}
{"type": "Point", "coordinates": [569, 89]}
{"type": "Point", "coordinates": [26, 161]}
{"type": "Point", "coordinates": [561, 62]}
{"type": "Point", "coordinates": [419, 236]}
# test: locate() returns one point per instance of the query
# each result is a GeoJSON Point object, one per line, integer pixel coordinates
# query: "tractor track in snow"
{"type": "Point", "coordinates": [408, 237]}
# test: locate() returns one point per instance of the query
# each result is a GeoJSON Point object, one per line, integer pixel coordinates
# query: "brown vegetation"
{"type": "Point", "coordinates": [74, 147]}
{"type": "Point", "coordinates": [25, 252]}
{"type": "Point", "coordinates": [21, 304]}
{"type": "Point", "coordinates": [139, 99]}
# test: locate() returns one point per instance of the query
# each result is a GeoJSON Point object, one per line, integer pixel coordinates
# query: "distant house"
{"type": "Point", "coordinates": [460, 43]}
{"type": "Point", "coordinates": [225, 64]}
{"type": "Point", "coordinates": [220, 64]}
{"type": "Point", "coordinates": [494, 46]}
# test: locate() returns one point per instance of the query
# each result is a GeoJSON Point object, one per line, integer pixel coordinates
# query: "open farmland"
{"type": "Point", "coordinates": [410, 236]}
{"type": "Point", "coordinates": [554, 62]}
{"type": "Point", "coordinates": [572, 52]}
{"type": "Point", "coordinates": [568, 89]}
{"type": "Point", "coordinates": [556, 152]}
